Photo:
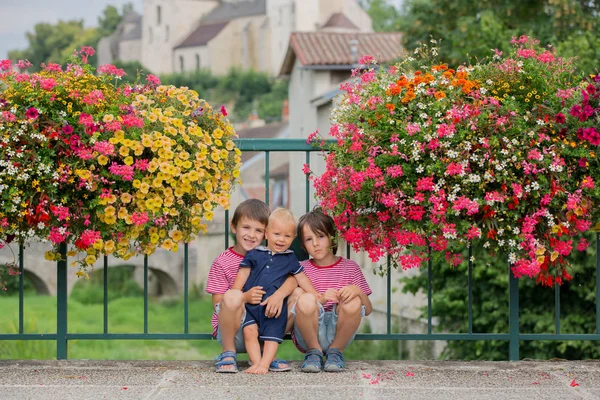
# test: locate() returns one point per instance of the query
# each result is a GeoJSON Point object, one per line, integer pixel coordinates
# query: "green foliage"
{"type": "Point", "coordinates": [491, 308]}
{"type": "Point", "coordinates": [470, 29]}
{"type": "Point", "coordinates": [120, 284]}
{"type": "Point", "coordinates": [250, 91]}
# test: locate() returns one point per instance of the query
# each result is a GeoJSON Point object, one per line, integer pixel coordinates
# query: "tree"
{"type": "Point", "coordinates": [56, 43]}
{"type": "Point", "coordinates": [470, 29]}
{"type": "Point", "coordinates": [490, 308]}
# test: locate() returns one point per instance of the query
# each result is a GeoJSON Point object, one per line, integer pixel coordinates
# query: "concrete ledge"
{"type": "Point", "coordinates": [413, 380]}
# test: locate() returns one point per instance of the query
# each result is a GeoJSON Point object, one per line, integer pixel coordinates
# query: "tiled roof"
{"type": "Point", "coordinates": [226, 11]}
{"type": "Point", "coordinates": [202, 35]}
{"type": "Point", "coordinates": [339, 20]}
{"type": "Point", "coordinates": [333, 48]}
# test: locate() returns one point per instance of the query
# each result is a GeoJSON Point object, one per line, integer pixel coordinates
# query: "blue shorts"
{"type": "Point", "coordinates": [240, 345]}
{"type": "Point", "coordinates": [327, 329]}
{"type": "Point", "coordinates": [269, 329]}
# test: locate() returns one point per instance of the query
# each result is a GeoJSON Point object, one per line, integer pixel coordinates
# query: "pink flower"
{"type": "Point", "coordinates": [152, 80]}
{"type": "Point", "coordinates": [583, 244]}
{"type": "Point", "coordinates": [223, 111]}
{"type": "Point", "coordinates": [139, 218]}
{"type": "Point", "coordinates": [454, 169]}
{"type": "Point", "coordinates": [5, 65]}
{"type": "Point", "coordinates": [32, 113]}
{"type": "Point", "coordinates": [132, 121]}
{"type": "Point", "coordinates": [93, 97]}
{"type": "Point", "coordinates": [109, 69]}
{"type": "Point", "coordinates": [367, 59]}
{"type": "Point", "coordinates": [425, 184]}
{"type": "Point", "coordinates": [23, 64]}
{"type": "Point", "coordinates": [394, 171]}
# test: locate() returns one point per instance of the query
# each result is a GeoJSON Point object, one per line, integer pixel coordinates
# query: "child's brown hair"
{"type": "Point", "coordinates": [253, 209]}
{"type": "Point", "coordinates": [318, 222]}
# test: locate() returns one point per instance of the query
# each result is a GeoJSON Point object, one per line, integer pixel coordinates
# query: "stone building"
{"type": "Point", "coordinates": [188, 35]}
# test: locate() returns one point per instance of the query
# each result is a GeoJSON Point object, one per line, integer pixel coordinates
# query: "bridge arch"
{"type": "Point", "coordinates": [37, 281]}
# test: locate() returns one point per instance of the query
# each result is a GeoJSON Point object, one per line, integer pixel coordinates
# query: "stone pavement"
{"type": "Point", "coordinates": [415, 380]}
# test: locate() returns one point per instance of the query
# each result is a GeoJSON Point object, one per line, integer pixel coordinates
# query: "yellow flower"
{"type": "Point", "coordinates": [83, 173]}
{"type": "Point", "coordinates": [128, 160]}
{"type": "Point", "coordinates": [176, 235]}
{"type": "Point", "coordinates": [122, 213]}
{"type": "Point", "coordinates": [109, 210]}
{"type": "Point", "coordinates": [218, 133]}
{"type": "Point", "coordinates": [98, 244]}
{"type": "Point", "coordinates": [167, 244]}
{"type": "Point", "coordinates": [144, 187]}
{"type": "Point", "coordinates": [110, 220]}
{"type": "Point", "coordinates": [126, 198]}
{"type": "Point", "coordinates": [79, 273]}
{"type": "Point", "coordinates": [208, 215]}
{"type": "Point", "coordinates": [229, 145]}
{"type": "Point", "coordinates": [102, 160]}
{"type": "Point", "coordinates": [154, 238]}
{"type": "Point", "coordinates": [108, 118]}
{"type": "Point", "coordinates": [124, 151]}
{"type": "Point", "coordinates": [90, 259]}
{"type": "Point", "coordinates": [50, 256]}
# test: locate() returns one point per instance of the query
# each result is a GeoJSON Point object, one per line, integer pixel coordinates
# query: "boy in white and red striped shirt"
{"type": "Point", "coordinates": [248, 224]}
{"type": "Point", "coordinates": [327, 323]}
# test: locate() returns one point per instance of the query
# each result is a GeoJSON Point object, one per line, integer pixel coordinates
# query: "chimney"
{"type": "Point", "coordinates": [285, 111]}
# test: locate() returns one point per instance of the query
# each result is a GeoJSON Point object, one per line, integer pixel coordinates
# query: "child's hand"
{"type": "Point", "coordinates": [330, 295]}
{"type": "Point", "coordinates": [254, 295]}
{"type": "Point", "coordinates": [274, 304]}
{"type": "Point", "coordinates": [349, 292]}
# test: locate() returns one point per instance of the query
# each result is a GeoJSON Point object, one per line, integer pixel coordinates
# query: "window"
{"type": "Point", "coordinates": [181, 63]}
{"type": "Point", "coordinates": [197, 62]}
{"type": "Point", "coordinates": [279, 190]}
{"type": "Point", "coordinates": [158, 15]}
{"type": "Point", "coordinates": [167, 33]}
{"type": "Point", "coordinates": [149, 35]}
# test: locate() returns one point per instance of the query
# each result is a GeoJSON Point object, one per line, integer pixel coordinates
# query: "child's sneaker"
{"type": "Point", "coordinates": [313, 361]}
{"type": "Point", "coordinates": [334, 361]}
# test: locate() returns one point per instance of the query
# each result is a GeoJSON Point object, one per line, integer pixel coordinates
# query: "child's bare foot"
{"type": "Point", "coordinates": [258, 370]}
{"type": "Point", "coordinates": [251, 369]}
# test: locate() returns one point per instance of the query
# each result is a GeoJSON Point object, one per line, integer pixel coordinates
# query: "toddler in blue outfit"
{"type": "Point", "coordinates": [269, 267]}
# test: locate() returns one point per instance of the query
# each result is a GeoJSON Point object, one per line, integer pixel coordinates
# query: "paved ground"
{"type": "Point", "coordinates": [176, 380]}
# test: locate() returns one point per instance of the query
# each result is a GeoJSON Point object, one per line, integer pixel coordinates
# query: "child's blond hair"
{"type": "Point", "coordinates": [283, 214]}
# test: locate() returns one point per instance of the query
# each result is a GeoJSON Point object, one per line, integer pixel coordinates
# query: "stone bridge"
{"type": "Point", "coordinates": [165, 275]}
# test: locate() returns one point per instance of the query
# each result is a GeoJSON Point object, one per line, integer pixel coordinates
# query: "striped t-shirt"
{"type": "Point", "coordinates": [221, 277]}
{"type": "Point", "coordinates": [343, 273]}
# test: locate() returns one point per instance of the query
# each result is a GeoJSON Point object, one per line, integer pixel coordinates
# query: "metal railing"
{"type": "Point", "coordinates": [513, 336]}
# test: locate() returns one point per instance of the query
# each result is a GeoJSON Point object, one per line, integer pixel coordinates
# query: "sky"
{"type": "Point", "coordinates": [20, 16]}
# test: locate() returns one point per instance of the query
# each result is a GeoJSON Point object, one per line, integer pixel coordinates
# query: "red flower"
{"type": "Point", "coordinates": [32, 113]}
{"type": "Point", "coordinates": [223, 111]}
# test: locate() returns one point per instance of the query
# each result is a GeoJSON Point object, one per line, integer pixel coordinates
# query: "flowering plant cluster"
{"type": "Point", "coordinates": [503, 152]}
{"type": "Point", "coordinates": [108, 168]}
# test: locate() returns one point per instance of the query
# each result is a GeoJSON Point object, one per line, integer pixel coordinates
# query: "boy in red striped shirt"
{"type": "Point", "coordinates": [329, 323]}
{"type": "Point", "coordinates": [248, 224]}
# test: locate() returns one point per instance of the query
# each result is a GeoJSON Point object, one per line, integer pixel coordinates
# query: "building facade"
{"type": "Point", "coordinates": [189, 35]}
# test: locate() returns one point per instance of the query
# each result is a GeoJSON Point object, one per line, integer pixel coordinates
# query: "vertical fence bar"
{"type": "Point", "coordinates": [470, 302]}
{"type": "Point", "coordinates": [389, 295]}
{"type": "Point", "coordinates": [597, 282]}
{"type": "Point", "coordinates": [185, 289]}
{"type": "Point", "coordinates": [145, 294]}
{"type": "Point", "coordinates": [61, 304]}
{"type": "Point", "coordinates": [429, 282]}
{"type": "Point", "coordinates": [557, 308]}
{"type": "Point", "coordinates": [348, 251]}
{"type": "Point", "coordinates": [226, 229]}
{"type": "Point", "coordinates": [21, 284]}
{"type": "Point", "coordinates": [105, 294]}
{"type": "Point", "coordinates": [513, 319]}
{"type": "Point", "coordinates": [307, 183]}
{"type": "Point", "coordinates": [267, 178]}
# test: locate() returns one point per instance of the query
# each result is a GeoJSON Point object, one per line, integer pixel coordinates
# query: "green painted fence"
{"type": "Point", "coordinates": [513, 336]}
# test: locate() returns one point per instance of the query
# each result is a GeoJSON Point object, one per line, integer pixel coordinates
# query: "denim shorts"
{"type": "Point", "coordinates": [240, 345]}
{"type": "Point", "coordinates": [327, 328]}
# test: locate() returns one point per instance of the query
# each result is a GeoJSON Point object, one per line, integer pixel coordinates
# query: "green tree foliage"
{"type": "Point", "coordinates": [56, 42]}
{"type": "Point", "coordinates": [250, 91]}
{"type": "Point", "coordinates": [471, 29]}
{"type": "Point", "coordinates": [491, 307]}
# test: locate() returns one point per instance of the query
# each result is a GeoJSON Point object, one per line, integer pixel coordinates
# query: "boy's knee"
{"type": "Point", "coordinates": [295, 295]}
{"type": "Point", "coordinates": [232, 299]}
{"type": "Point", "coordinates": [306, 304]}
{"type": "Point", "coordinates": [351, 307]}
